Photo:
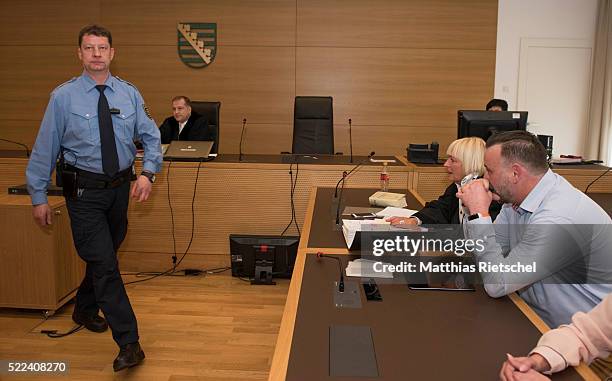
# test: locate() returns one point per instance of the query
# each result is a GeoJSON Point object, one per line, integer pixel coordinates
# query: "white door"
{"type": "Point", "coordinates": [554, 87]}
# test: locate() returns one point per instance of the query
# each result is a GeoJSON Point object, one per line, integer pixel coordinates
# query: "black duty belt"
{"type": "Point", "coordinates": [92, 180]}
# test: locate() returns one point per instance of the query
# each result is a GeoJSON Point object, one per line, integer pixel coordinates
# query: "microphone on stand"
{"type": "Point", "coordinates": [351, 138]}
{"type": "Point", "coordinates": [19, 144]}
{"type": "Point", "coordinates": [341, 282]}
{"type": "Point", "coordinates": [346, 174]}
{"type": "Point", "coordinates": [240, 156]}
{"type": "Point", "coordinates": [586, 191]}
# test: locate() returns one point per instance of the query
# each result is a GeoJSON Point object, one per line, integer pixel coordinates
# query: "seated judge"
{"type": "Point", "coordinates": [497, 105]}
{"type": "Point", "coordinates": [465, 156]}
{"type": "Point", "coordinates": [185, 124]}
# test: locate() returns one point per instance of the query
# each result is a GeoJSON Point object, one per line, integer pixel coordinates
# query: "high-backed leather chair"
{"type": "Point", "coordinates": [313, 125]}
{"type": "Point", "coordinates": [209, 110]}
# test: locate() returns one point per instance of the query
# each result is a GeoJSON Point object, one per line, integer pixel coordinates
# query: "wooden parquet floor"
{"type": "Point", "coordinates": [213, 327]}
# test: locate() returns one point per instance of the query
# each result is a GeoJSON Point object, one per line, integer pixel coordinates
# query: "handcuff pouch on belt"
{"type": "Point", "coordinates": [66, 177]}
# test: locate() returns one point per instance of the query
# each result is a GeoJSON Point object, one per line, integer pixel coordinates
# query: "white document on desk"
{"type": "Point", "coordinates": [365, 268]}
{"type": "Point", "coordinates": [391, 211]}
{"type": "Point", "coordinates": [351, 227]}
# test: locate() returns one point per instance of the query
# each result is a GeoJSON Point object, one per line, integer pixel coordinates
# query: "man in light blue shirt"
{"type": "Point", "coordinates": [544, 220]}
{"type": "Point", "coordinates": [93, 121]}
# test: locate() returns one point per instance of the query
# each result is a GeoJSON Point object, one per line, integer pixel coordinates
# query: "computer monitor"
{"type": "Point", "coordinates": [483, 124]}
{"type": "Point", "coordinates": [263, 256]}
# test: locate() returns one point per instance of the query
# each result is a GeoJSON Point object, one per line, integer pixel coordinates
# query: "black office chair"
{"type": "Point", "coordinates": [209, 110]}
{"type": "Point", "coordinates": [313, 126]}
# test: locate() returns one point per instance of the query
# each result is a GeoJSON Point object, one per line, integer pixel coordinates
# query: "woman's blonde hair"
{"type": "Point", "coordinates": [470, 151]}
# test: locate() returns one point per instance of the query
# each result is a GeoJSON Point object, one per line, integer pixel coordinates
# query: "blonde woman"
{"type": "Point", "coordinates": [465, 156]}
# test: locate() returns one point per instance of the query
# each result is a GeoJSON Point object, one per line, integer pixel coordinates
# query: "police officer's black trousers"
{"type": "Point", "coordinates": [98, 218]}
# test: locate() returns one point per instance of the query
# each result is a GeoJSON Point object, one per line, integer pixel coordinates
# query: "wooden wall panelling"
{"type": "Point", "coordinates": [252, 82]}
{"type": "Point", "coordinates": [393, 88]}
{"type": "Point", "coordinates": [12, 172]}
{"type": "Point", "coordinates": [231, 198]}
{"type": "Point", "coordinates": [27, 77]}
{"type": "Point", "coordinates": [19, 131]}
{"type": "Point", "coordinates": [429, 181]}
{"type": "Point", "coordinates": [258, 137]}
{"type": "Point", "coordinates": [45, 23]}
{"type": "Point", "coordinates": [450, 24]}
{"type": "Point", "coordinates": [225, 200]}
{"type": "Point", "coordinates": [239, 23]}
{"type": "Point", "coordinates": [423, 87]}
{"type": "Point", "coordinates": [252, 75]}
{"type": "Point", "coordinates": [388, 64]}
{"type": "Point", "coordinates": [390, 139]}
{"type": "Point", "coordinates": [154, 261]}
{"type": "Point", "coordinates": [582, 178]}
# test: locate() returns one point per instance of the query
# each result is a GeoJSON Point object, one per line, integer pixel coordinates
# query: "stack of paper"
{"type": "Point", "coordinates": [351, 227]}
{"type": "Point", "coordinates": [365, 268]}
{"type": "Point", "coordinates": [391, 211]}
{"type": "Point", "coordinates": [567, 160]}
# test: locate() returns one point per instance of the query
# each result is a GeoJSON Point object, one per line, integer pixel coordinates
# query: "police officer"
{"type": "Point", "coordinates": [92, 121]}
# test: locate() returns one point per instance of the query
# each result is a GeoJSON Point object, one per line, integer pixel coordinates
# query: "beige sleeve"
{"type": "Point", "coordinates": [588, 337]}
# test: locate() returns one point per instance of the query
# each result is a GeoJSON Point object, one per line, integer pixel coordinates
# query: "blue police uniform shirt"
{"type": "Point", "coordinates": [71, 122]}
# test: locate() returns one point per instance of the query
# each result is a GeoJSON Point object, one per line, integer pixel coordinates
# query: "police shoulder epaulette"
{"type": "Point", "coordinates": [65, 83]}
{"type": "Point", "coordinates": [124, 81]}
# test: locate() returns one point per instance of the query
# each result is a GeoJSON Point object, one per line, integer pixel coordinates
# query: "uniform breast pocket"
{"type": "Point", "coordinates": [82, 121]}
{"type": "Point", "coordinates": [124, 122]}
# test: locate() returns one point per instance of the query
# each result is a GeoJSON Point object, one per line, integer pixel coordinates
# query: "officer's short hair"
{"type": "Point", "coordinates": [183, 97]}
{"type": "Point", "coordinates": [95, 30]}
{"type": "Point", "coordinates": [521, 147]}
{"type": "Point", "coordinates": [497, 102]}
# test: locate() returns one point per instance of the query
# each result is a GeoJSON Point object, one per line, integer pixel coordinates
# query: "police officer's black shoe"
{"type": "Point", "coordinates": [95, 323]}
{"type": "Point", "coordinates": [129, 355]}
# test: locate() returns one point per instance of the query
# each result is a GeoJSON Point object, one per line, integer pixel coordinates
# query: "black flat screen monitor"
{"type": "Point", "coordinates": [246, 250]}
{"type": "Point", "coordinates": [483, 124]}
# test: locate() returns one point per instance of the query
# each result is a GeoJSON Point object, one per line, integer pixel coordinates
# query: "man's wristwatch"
{"type": "Point", "coordinates": [148, 175]}
{"type": "Point", "coordinates": [474, 216]}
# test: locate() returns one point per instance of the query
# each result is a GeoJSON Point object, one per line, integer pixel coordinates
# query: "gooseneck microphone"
{"type": "Point", "coordinates": [341, 282]}
{"type": "Point", "coordinates": [240, 155]}
{"type": "Point", "coordinates": [586, 191]}
{"type": "Point", "coordinates": [346, 174]}
{"type": "Point", "coordinates": [19, 144]}
{"type": "Point", "coordinates": [351, 138]}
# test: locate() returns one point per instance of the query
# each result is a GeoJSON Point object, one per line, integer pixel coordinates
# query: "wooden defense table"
{"type": "Point", "coordinates": [416, 334]}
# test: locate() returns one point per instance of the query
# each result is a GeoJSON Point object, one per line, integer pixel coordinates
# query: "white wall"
{"type": "Point", "coordinates": [541, 19]}
{"type": "Point", "coordinates": [566, 19]}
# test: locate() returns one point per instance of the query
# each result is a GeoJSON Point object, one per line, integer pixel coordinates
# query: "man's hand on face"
{"type": "Point", "coordinates": [477, 197]}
